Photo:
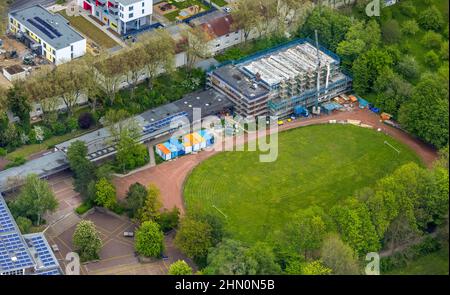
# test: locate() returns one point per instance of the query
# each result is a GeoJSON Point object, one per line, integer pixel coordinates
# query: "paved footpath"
{"type": "Point", "coordinates": [170, 176]}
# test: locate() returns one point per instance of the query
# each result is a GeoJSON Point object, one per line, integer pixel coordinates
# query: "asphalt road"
{"type": "Point", "coordinates": [18, 4]}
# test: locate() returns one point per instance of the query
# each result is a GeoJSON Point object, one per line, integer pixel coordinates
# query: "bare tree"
{"type": "Point", "coordinates": [159, 50]}
{"type": "Point", "coordinates": [196, 46]}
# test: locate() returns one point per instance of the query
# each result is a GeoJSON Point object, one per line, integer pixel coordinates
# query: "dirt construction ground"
{"type": "Point", "coordinates": [170, 176]}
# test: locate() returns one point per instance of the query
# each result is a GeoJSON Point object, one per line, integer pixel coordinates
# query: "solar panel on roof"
{"type": "Point", "coordinates": [48, 26]}
{"type": "Point", "coordinates": [41, 28]}
{"type": "Point", "coordinates": [11, 245]}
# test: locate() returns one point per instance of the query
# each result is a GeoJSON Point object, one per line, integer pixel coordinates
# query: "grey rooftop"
{"type": "Point", "coordinates": [30, 16]}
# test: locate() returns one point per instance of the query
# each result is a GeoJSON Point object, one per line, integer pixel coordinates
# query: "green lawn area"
{"type": "Point", "coordinates": [28, 150]}
{"type": "Point", "coordinates": [317, 165]}
{"type": "Point", "coordinates": [220, 3]}
{"type": "Point", "coordinates": [431, 264]}
{"type": "Point", "coordinates": [90, 30]}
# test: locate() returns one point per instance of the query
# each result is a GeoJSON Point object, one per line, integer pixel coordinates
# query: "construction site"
{"type": "Point", "coordinates": [275, 81]}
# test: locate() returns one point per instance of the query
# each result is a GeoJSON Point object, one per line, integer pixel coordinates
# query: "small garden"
{"type": "Point", "coordinates": [187, 6]}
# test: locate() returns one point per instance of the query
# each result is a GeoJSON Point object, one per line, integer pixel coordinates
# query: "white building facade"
{"type": "Point", "coordinates": [47, 33]}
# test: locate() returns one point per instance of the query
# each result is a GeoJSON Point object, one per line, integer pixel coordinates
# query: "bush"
{"type": "Point", "coordinates": [149, 239]}
{"type": "Point", "coordinates": [180, 267]}
{"type": "Point", "coordinates": [168, 220]}
{"type": "Point", "coordinates": [391, 31]}
{"type": "Point", "coordinates": [431, 40]}
{"type": "Point", "coordinates": [3, 152]}
{"type": "Point", "coordinates": [17, 161]}
{"type": "Point", "coordinates": [408, 9]}
{"type": "Point", "coordinates": [410, 27]}
{"type": "Point", "coordinates": [408, 67]}
{"type": "Point", "coordinates": [86, 120]}
{"type": "Point", "coordinates": [432, 59]}
{"type": "Point", "coordinates": [58, 128]}
{"type": "Point", "coordinates": [431, 19]}
{"type": "Point", "coordinates": [72, 124]}
{"type": "Point", "coordinates": [83, 208]}
{"type": "Point", "coordinates": [24, 224]}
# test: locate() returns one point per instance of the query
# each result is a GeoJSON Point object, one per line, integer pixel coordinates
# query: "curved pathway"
{"type": "Point", "coordinates": [170, 176]}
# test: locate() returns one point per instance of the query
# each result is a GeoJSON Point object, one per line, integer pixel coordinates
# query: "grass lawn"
{"type": "Point", "coordinates": [171, 16]}
{"type": "Point", "coordinates": [28, 150]}
{"type": "Point", "coordinates": [90, 30]}
{"type": "Point", "coordinates": [317, 165]}
{"type": "Point", "coordinates": [220, 3]}
{"type": "Point", "coordinates": [431, 264]}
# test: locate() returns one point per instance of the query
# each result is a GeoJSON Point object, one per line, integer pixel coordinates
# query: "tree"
{"type": "Point", "coordinates": [230, 258]}
{"type": "Point", "coordinates": [34, 200]}
{"type": "Point", "coordinates": [355, 226]}
{"type": "Point", "coordinates": [86, 120]}
{"type": "Point", "coordinates": [306, 230]}
{"type": "Point", "coordinates": [391, 31]}
{"type": "Point", "coordinates": [432, 59]}
{"type": "Point", "coordinates": [136, 196]}
{"type": "Point", "coordinates": [169, 220]}
{"type": "Point", "coordinates": [315, 267]}
{"type": "Point", "coordinates": [331, 26]}
{"type": "Point", "coordinates": [196, 46]}
{"type": "Point", "coordinates": [392, 91]}
{"type": "Point", "coordinates": [194, 238]}
{"type": "Point", "coordinates": [110, 75]}
{"type": "Point", "coordinates": [83, 169]}
{"type": "Point", "coordinates": [431, 40]}
{"type": "Point", "coordinates": [426, 113]}
{"type": "Point", "coordinates": [408, 67]}
{"type": "Point", "coordinates": [214, 220]}
{"type": "Point", "coordinates": [105, 194]}
{"type": "Point", "coordinates": [159, 50]}
{"type": "Point", "coordinates": [17, 102]}
{"type": "Point", "coordinates": [338, 256]}
{"type": "Point", "coordinates": [24, 224]}
{"type": "Point", "coordinates": [87, 240]}
{"type": "Point", "coordinates": [180, 267]}
{"type": "Point", "coordinates": [265, 259]}
{"type": "Point", "coordinates": [149, 239]}
{"type": "Point", "coordinates": [135, 58]}
{"type": "Point", "coordinates": [152, 205]}
{"type": "Point", "coordinates": [367, 68]}
{"type": "Point", "coordinates": [243, 17]}
{"type": "Point", "coordinates": [431, 19]}
{"type": "Point", "coordinates": [410, 27]}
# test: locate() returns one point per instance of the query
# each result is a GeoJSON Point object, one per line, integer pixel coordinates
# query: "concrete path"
{"type": "Point", "coordinates": [151, 151]}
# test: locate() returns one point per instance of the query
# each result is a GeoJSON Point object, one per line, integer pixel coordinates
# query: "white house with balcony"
{"type": "Point", "coordinates": [122, 16]}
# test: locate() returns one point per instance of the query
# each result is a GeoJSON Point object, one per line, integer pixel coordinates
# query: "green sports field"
{"type": "Point", "coordinates": [321, 165]}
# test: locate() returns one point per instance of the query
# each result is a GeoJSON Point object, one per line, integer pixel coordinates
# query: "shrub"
{"type": "Point", "coordinates": [149, 240]}
{"type": "Point", "coordinates": [391, 31]}
{"type": "Point", "coordinates": [432, 59]}
{"type": "Point", "coordinates": [17, 161]}
{"type": "Point", "coordinates": [24, 224]}
{"type": "Point", "coordinates": [180, 267]}
{"type": "Point", "coordinates": [431, 19]}
{"type": "Point", "coordinates": [83, 208]}
{"type": "Point", "coordinates": [3, 152]}
{"type": "Point", "coordinates": [168, 220]}
{"type": "Point", "coordinates": [431, 40]}
{"type": "Point", "coordinates": [410, 27]}
{"type": "Point", "coordinates": [408, 9]}
{"type": "Point", "coordinates": [72, 124]}
{"type": "Point", "coordinates": [86, 120]}
{"type": "Point", "coordinates": [58, 128]}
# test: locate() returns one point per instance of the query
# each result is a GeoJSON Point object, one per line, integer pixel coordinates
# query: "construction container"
{"type": "Point", "coordinates": [163, 152]}
{"type": "Point", "coordinates": [301, 111]}
{"type": "Point", "coordinates": [172, 148]}
{"type": "Point", "coordinates": [385, 116]}
{"type": "Point", "coordinates": [188, 144]}
{"type": "Point", "coordinates": [200, 139]}
{"type": "Point", "coordinates": [209, 138]}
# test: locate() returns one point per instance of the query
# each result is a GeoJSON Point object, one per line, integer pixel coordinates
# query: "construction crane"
{"type": "Point", "coordinates": [318, 70]}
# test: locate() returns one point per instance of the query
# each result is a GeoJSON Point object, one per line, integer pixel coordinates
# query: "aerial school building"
{"type": "Point", "coordinates": [46, 33]}
{"type": "Point", "coordinates": [275, 81]}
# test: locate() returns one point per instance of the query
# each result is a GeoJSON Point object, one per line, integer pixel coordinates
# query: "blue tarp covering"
{"type": "Point", "coordinates": [362, 102]}
{"type": "Point", "coordinates": [331, 106]}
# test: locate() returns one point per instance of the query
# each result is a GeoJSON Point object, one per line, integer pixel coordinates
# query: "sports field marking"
{"type": "Point", "coordinates": [214, 206]}
{"type": "Point", "coordinates": [387, 143]}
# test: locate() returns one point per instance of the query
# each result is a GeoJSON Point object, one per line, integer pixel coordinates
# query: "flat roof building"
{"type": "Point", "coordinates": [23, 254]}
{"type": "Point", "coordinates": [276, 80]}
{"type": "Point", "coordinates": [48, 33]}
